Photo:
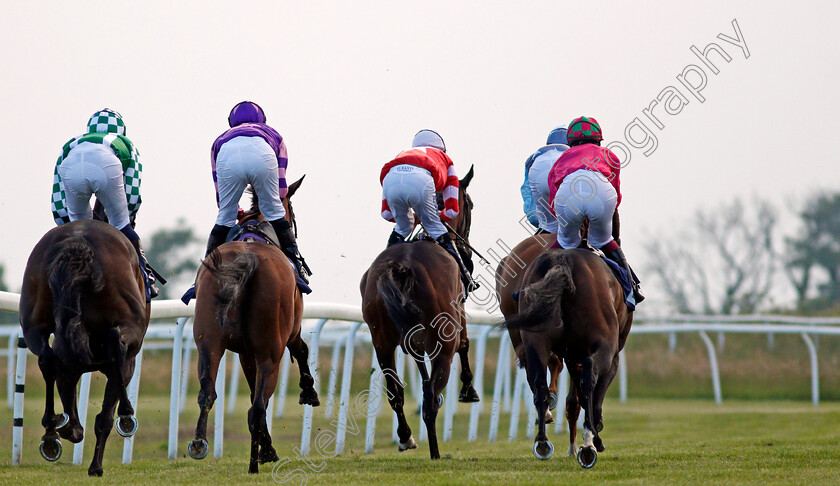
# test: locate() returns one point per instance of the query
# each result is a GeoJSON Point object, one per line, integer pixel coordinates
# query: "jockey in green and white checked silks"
{"type": "Point", "coordinates": [102, 162]}
{"type": "Point", "coordinates": [105, 128]}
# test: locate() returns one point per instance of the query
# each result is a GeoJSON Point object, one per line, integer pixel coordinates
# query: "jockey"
{"type": "Point", "coordinates": [251, 152]}
{"type": "Point", "coordinates": [102, 162]}
{"type": "Point", "coordinates": [584, 183]}
{"type": "Point", "coordinates": [411, 181]}
{"type": "Point", "coordinates": [535, 192]}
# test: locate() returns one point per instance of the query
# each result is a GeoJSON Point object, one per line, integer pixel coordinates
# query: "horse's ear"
{"type": "Point", "coordinates": [294, 187]}
{"type": "Point", "coordinates": [463, 183]}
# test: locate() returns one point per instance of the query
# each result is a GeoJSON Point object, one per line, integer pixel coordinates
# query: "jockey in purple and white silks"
{"type": "Point", "coordinates": [252, 152]}
{"type": "Point", "coordinates": [535, 190]}
{"type": "Point", "coordinates": [104, 162]}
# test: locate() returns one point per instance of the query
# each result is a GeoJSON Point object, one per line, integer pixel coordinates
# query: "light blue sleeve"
{"type": "Point", "coordinates": [529, 206]}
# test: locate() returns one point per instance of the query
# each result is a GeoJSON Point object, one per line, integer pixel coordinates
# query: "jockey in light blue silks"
{"type": "Point", "coordinates": [104, 162]}
{"type": "Point", "coordinates": [535, 190]}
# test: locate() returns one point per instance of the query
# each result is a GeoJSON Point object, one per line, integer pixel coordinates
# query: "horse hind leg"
{"type": "Point", "coordinates": [50, 446]}
{"type": "Point", "coordinates": [604, 381]}
{"type": "Point", "coordinates": [395, 388]}
{"type": "Point", "coordinates": [104, 420]}
{"type": "Point", "coordinates": [208, 367]}
{"type": "Point", "coordinates": [536, 370]}
{"type": "Point", "coordinates": [123, 368]}
{"type": "Point", "coordinates": [300, 352]}
{"type": "Point", "coordinates": [66, 383]}
{"type": "Point", "coordinates": [432, 389]}
{"type": "Point", "coordinates": [266, 383]}
{"type": "Point", "coordinates": [468, 393]}
{"type": "Point", "coordinates": [587, 455]}
{"type": "Point", "coordinates": [573, 411]}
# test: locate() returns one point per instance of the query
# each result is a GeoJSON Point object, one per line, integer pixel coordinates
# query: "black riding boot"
{"type": "Point", "coordinates": [153, 290]}
{"type": "Point", "coordinates": [395, 238]}
{"type": "Point", "coordinates": [217, 237]}
{"type": "Point", "coordinates": [446, 242]}
{"type": "Point", "coordinates": [148, 279]}
{"type": "Point", "coordinates": [618, 257]}
{"type": "Point", "coordinates": [288, 244]}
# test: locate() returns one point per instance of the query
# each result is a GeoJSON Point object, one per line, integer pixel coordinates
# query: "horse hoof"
{"type": "Point", "coordinates": [587, 457]}
{"type": "Point", "coordinates": [440, 400]}
{"type": "Point", "coordinates": [309, 397]}
{"type": "Point", "coordinates": [95, 472]}
{"type": "Point", "coordinates": [543, 450]}
{"type": "Point", "coordinates": [552, 402]}
{"type": "Point", "coordinates": [268, 454]}
{"type": "Point", "coordinates": [50, 449]}
{"type": "Point", "coordinates": [61, 420]}
{"type": "Point", "coordinates": [409, 444]}
{"type": "Point", "coordinates": [126, 426]}
{"type": "Point", "coordinates": [198, 449]}
{"type": "Point", "coordinates": [468, 395]}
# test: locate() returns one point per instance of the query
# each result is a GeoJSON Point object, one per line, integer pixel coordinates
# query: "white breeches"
{"type": "Point", "coordinates": [584, 193]}
{"type": "Point", "coordinates": [92, 168]}
{"type": "Point", "coordinates": [538, 177]}
{"type": "Point", "coordinates": [242, 161]}
{"type": "Point", "coordinates": [410, 187]}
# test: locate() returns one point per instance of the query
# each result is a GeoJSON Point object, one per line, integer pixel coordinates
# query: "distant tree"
{"type": "Point", "coordinates": [722, 262]}
{"type": "Point", "coordinates": [175, 253]}
{"type": "Point", "coordinates": [3, 286]}
{"type": "Point", "coordinates": [813, 256]}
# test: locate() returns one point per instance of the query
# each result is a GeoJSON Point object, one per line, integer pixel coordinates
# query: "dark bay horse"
{"type": "Point", "coordinates": [573, 307]}
{"type": "Point", "coordinates": [247, 301]}
{"type": "Point", "coordinates": [83, 283]}
{"type": "Point", "coordinates": [509, 276]}
{"type": "Point", "coordinates": [411, 297]}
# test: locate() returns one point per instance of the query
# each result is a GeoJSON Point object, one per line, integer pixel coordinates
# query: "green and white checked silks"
{"type": "Point", "coordinates": [124, 150]}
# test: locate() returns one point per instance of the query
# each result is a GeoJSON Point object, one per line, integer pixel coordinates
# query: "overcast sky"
{"type": "Point", "coordinates": [349, 83]}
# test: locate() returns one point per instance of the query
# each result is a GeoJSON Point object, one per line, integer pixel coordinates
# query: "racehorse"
{"type": "Point", "coordinates": [83, 283]}
{"type": "Point", "coordinates": [509, 274]}
{"type": "Point", "coordinates": [412, 297]}
{"type": "Point", "coordinates": [573, 307]}
{"type": "Point", "coordinates": [247, 301]}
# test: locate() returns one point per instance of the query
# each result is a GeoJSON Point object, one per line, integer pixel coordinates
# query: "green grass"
{"type": "Point", "coordinates": [650, 441]}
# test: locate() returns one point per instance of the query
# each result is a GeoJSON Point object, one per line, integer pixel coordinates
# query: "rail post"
{"type": "Point", "coordinates": [175, 387]}
{"type": "Point", "coordinates": [314, 346]}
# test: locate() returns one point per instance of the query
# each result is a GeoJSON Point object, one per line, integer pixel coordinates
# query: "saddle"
{"type": "Point", "coordinates": [254, 230]}
{"type": "Point", "coordinates": [263, 232]}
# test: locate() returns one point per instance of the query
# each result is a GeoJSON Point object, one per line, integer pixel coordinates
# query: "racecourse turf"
{"type": "Point", "coordinates": [649, 441]}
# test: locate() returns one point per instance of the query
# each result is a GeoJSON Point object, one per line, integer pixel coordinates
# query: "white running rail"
{"type": "Point", "coordinates": [336, 326]}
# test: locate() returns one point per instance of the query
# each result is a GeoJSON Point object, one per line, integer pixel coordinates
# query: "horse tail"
{"type": "Point", "coordinates": [396, 286]}
{"type": "Point", "coordinates": [74, 268]}
{"type": "Point", "coordinates": [233, 277]}
{"type": "Point", "coordinates": [541, 302]}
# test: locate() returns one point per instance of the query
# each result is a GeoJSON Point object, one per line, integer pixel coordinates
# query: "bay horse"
{"type": "Point", "coordinates": [412, 297]}
{"type": "Point", "coordinates": [83, 284]}
{"type": "Point", "coordinates": [572, 306]}
{"type": "Point", "coordinates": [247, 301]}
{"type": "Point", "coordinates": [509, 276]}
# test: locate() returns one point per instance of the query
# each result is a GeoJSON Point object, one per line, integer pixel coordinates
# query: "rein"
{"type": "Point", "coordinates": [462, 240]}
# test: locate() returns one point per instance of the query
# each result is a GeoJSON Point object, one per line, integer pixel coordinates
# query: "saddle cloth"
{"type": "Point", "coordinates": [262, 232]}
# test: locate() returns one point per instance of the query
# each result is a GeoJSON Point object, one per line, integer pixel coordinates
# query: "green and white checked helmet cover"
{"type": "Point", "coordinates": [106, 121]}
